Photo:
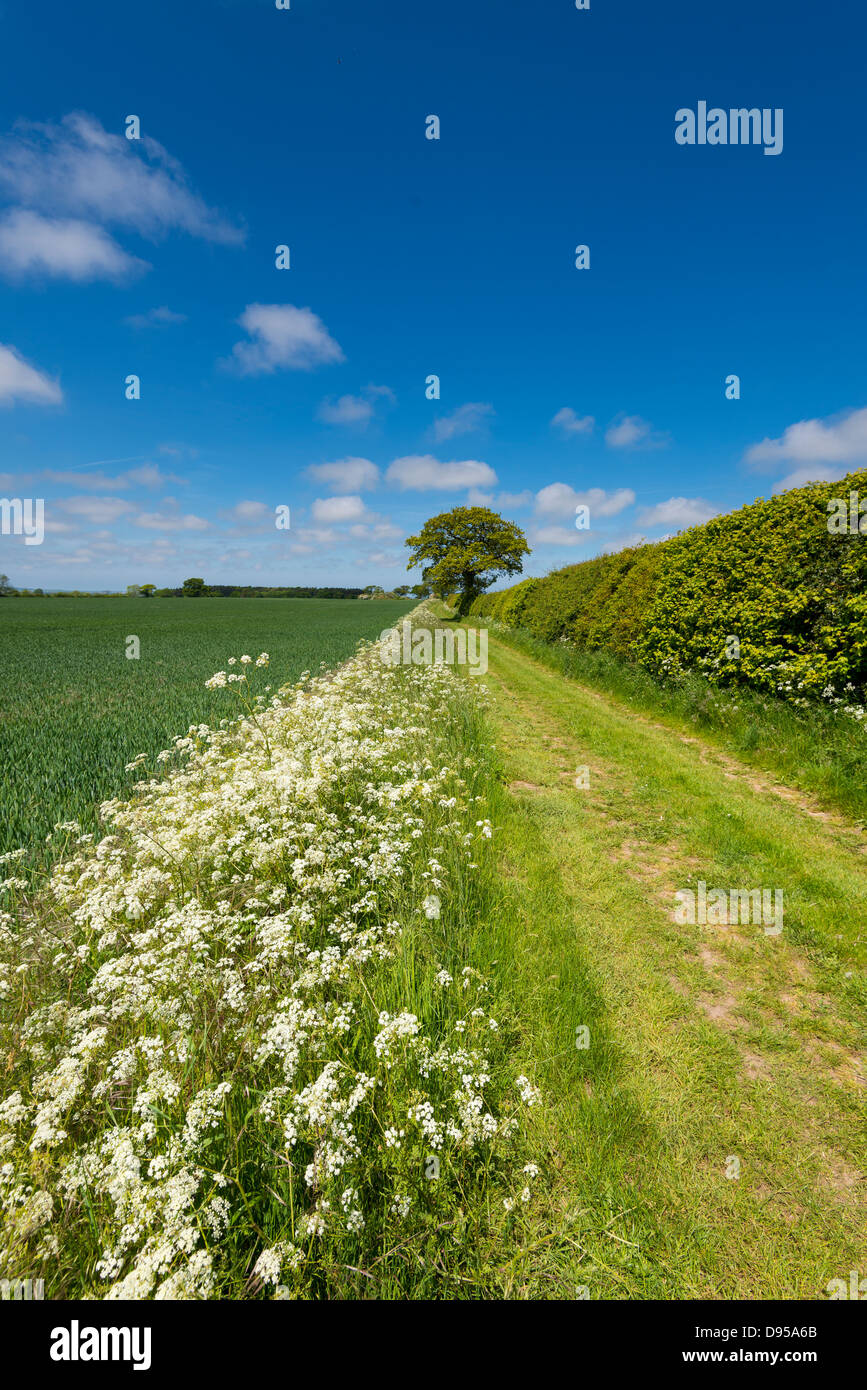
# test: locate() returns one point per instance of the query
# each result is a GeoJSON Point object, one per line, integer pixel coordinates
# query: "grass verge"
{"type": "Point", "coordinates": [248, 1038]}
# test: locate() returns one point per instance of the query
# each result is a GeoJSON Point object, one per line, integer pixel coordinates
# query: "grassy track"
{"type": "Point", "coordinates": [74, 710]}
{"type": "Point", "coordinates": [814, 747]}
{"type": "Point", "coordinates": [707, 1044]}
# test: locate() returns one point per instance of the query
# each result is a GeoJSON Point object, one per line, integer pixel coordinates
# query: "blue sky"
{"type": "Point", "coordinates": [411, 257]}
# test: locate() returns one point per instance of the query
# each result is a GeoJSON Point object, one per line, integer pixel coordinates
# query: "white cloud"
{"type": "Point", "coordinates": [146, 476]}
{"type": "Point", "coordinates": [812, 473]}
{"type": "Point", "coordinates": [62, 247]}
{"type": "Point", "coordinates": [499, 501]}
{"type": "Point", "coordinates": [171, 521]}
{"type": "Point", "coordinates": [337, 509]}
{"type": "Point", "coordinates": [375, 528]}
{"type": "Point", "coordinates": [423, 473]}
{"type": "Point", "coordinates": [151, 476]}
{"type": "Point", "coordinates": [559, 499]}
{"type": "Point", "coordinates": [251, 511]}
{"type": "Point", "coordinates": [355, 410]}
{"type": "Point", "coordinates": [346, 475]}
{"type": "Point", "coordinates": [464, 420]}
{"type": "Point", "coordinates": [162, 315]}
{"type": "Point", "coordinates": [570, 422]}
{"type": "Point", "coordinates": [96, 481]}
{"type": "Point", "coordinates": [79, 168]}
{"type": "Point", "coordinates": [380, 392]}
{"type": "Point", "coordinates": [283, 336]}
{"type": "Point", "coordinates": [19, 381]}
{"type": "Point", "coordinates": [631, 432]}
{"type": "Point", "coordinates": [314, 538]}
{"type": "Point", "coordinates": [622, 541]}
{"type": "Point", "coordinates": [840, 439]}
{"type": "Point", "coordinates": [678, 511]}
{"type": "Point", "coordinates": [346, 410]}
{"type": "Point", "coordinates": [558, 535]}
{"type": "Point", "coordinates": [515, 499]}
{"type": "Point", "coordinates": [97, 510]}
{"type": "Point", "coordinates": [178, 450]}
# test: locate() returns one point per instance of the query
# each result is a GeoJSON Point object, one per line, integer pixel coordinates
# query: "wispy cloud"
{"type": "Point", "coordinates": [148, 476]}
{"type": "Point", "coordinates": [20, 381]}
{"type": "Point", "coordinates": [249, 510]}
{"type": "Point", "coordinates": [155, 316]}
{"type": "Point", "coordinates": [570, 422]}
{"type": "Point", "coordinates": [631, 432]}
{"type": "Point", "coordinates": [467, 418]}
{"type": "Point", "coordinates": [282, 336]}
{"type": "Point", "coordinates": [175, 450]}
{"type": "Point", "coordinates": [558, 535]}
{"type": "Point", "coordinates": [62, 248]}
{"type": "Point", "coordinates": [250, 517]}
{"type": "Point", "coordinates": [500, 501]}
{"type": "Point", "coordinates": [99, 511]}
{"type": "Point", "coordinates": [386, 558]}
{"type": "Point", "coordinates": [171, 521]}
{"type": "Point", "coordinates": [346, 410]}
{"type": "Point", "coordinates": [355, 411]}
{"type": "Point", "coordinates": [380, 393]}
{"type": "Point", "coordinates": [376, 528]}
{"type": "Point", "coordinates": [80, 169]}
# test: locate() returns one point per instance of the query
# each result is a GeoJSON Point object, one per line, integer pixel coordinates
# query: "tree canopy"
{"type": "Point", "coordinates": [466, 550]}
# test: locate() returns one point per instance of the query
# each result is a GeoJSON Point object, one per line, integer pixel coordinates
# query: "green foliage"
{"type": "Point", "coordinates": [772, 575]}
{"type": "Point", "coordinates": [467, 549]}
{"type": "Point", "coordinates": [507, 605]}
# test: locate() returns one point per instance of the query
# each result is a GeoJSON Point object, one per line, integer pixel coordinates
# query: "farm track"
{"type": "Point", "coordinates": [710, 1140]}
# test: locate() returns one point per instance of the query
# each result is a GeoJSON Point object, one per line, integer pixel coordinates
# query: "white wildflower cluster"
{"type": "Point", "coordinates": [206, 1013]}
{"type": "Point", "coordinates": [797, 681]}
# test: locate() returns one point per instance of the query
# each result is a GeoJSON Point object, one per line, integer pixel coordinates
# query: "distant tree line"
{"type": "Point", "coordinates": [197, 588]}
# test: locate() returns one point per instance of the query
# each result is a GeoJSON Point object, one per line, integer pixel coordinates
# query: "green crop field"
{"type": "Point", "coordinates": [74, 709]}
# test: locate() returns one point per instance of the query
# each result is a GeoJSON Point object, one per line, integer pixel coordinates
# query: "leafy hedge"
{"type": "Point", "coordinates": [772, 575]}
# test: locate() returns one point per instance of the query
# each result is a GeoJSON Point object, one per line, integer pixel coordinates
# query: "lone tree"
{"type": "Point", "coordinates": [467, 549]}
{"type": "Point", "coordinates": [193, 588]}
